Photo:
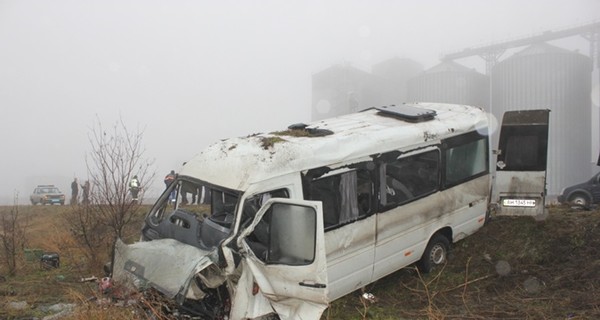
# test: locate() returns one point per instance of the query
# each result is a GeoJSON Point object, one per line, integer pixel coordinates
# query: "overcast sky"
{"type": "Point", "coordinates": [193, 72]}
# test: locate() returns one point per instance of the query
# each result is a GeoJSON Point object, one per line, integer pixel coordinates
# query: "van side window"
{"type": "Point", "coordinates": [289, 235]}
{"type": "Point", "coordinates": [466, 158]}
{"type": "Point", "coordinates": [409, 178]}
{"type": "Point", "coordinates": [346, 197]}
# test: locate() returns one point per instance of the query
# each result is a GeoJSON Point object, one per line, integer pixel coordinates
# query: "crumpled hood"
{"type": "Point", "coordinates": [165, 264]}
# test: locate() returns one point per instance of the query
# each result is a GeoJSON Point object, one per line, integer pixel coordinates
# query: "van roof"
{"type": "Point", "coordinates": [238, 162]}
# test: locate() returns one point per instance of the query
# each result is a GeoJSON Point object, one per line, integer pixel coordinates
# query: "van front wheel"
{"type": "Point", "coordinates": [436, 253]}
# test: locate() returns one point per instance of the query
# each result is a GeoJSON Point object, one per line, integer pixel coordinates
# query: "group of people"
{"type": "Point", "coordinates": [134, 189]}
{"type": "Point", "coordinates": [75, 192]}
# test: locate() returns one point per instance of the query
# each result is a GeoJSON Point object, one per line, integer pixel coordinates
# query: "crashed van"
{"type": "Point", "coordinates": [278, 225]}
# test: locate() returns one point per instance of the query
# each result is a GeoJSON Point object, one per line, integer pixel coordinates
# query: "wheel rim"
{"type": "Point", "coordinates": [579, 201]}
{"type": "Point", "coordinates": [438, 254]}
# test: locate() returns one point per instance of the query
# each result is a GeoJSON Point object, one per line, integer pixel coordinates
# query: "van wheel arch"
{"type": "Point", "coordinates": [436, 252]}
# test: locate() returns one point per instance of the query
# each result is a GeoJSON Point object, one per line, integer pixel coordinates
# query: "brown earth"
{"type": "Point", "coordinates": [513, 268]}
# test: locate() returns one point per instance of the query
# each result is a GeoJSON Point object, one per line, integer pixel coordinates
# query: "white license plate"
{"type": "Point", "coordinates": [518, 202]}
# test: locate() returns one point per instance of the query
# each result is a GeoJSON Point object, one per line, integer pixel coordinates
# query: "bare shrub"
{"type": "Point", "coordinates": [116, 156]}
{"type": "Point", "coordinates": [91, 233]}
{"type": "Point", "coordinates": [12, 237]}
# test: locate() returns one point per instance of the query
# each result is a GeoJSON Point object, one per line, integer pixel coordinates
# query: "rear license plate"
{"type": "Point", "coordinates": [518, 202]}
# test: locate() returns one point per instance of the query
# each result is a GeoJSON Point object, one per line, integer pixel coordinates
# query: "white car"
{"type": "Point", "coordinates": [47, 194]}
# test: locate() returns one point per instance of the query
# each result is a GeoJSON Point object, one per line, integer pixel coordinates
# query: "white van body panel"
{"type": "Point", "coordinates": [403, 232]}
{"type": "Point", "coordinates": [356, 136]}
{"type": "Point", "coordinates": [349, 253]}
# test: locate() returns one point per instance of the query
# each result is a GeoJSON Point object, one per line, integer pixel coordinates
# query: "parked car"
{"type": "Point", "coordinates": [47, 194]}
{"type": "Point", "coordinates": [583, 194]}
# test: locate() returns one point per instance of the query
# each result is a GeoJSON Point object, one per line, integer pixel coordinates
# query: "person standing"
{"type": "Point", "coordinates": [74, 191]}
{"type": "Point", "coordinates": [86, 192]}
{"type": "Point", "coordinates": [134, 187]}
{"type": "Point", "coordinates": [170, 178]}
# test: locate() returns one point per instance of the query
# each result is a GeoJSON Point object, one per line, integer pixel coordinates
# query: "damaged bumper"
{"type": "Point", "coordinates": [166, 265]}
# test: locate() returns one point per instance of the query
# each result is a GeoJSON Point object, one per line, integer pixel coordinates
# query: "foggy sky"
{"type": "Point", "coordinates": [194, 72]}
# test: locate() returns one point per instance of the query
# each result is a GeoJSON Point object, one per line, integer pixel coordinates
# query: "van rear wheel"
{"type": "Point", "coordinates": [436, 253]}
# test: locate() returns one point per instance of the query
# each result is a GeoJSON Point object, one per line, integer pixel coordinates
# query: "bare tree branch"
{"type": "Point", "coordinates": [116, 156]}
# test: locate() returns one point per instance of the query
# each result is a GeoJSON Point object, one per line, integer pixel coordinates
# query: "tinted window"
{"type": "Point", "coordinates": [523, 148]}
{"type": "Point", "coordinates": [409, 178]}
{"type": "Point", "coordinates": [466, 157]}
{"type": "Point", "coordinates": [346, 197]}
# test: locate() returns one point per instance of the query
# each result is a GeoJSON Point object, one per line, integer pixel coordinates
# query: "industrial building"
{"type": "Point", "coordinates": [543, 76]}
{"type": "Point", "coordinates": [343, 89]}
{"type": "Point", "coordinates": [538, 76]}
{"type": "Point", "coordinates": [450, 82]}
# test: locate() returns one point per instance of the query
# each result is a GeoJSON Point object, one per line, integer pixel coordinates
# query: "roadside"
{"type": "Point", "coordinates": [513, 268]}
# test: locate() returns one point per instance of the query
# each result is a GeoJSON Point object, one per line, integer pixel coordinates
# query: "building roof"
{"type": "Point", "coordinates": [449, 66]}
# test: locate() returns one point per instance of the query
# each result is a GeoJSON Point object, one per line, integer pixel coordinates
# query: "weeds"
{"type": "Point", "coordinates": [467, 287]}
{"type": "Point", "coordinates": [13, 237]}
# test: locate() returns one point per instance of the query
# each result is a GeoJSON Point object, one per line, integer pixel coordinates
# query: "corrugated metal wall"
{"type": "Point", "coordinates": [547, 77]}
{"type": "Point", "coordinates": [450, 82]}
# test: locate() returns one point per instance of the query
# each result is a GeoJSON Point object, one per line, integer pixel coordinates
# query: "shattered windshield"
{"type": "Point", "coordinates": [192, 212]}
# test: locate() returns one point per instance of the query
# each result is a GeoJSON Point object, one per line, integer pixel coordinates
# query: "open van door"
{"type": "Point", "coordinates": [521, 163]}
{"type": "Point", "coordinates": [285, 251]}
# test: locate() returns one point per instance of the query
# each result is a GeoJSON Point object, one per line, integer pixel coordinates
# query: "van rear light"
{"type": "Point", "coordinates": [255, 288]}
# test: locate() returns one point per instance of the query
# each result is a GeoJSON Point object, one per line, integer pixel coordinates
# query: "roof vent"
{"type": "Point", "coordinates": [407, 112]}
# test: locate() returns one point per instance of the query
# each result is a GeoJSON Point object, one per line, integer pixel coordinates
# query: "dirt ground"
{"type": "Point", "coordinates": [513, 268]}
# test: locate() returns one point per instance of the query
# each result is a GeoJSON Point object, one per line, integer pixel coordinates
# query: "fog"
{"type": "Point", "coordinates": [193, 72]}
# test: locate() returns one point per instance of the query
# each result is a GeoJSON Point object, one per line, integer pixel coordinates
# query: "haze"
{"type": "Point", "coordinates": [194, 72]}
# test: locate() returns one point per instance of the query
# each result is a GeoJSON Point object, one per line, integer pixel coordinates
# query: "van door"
{"type": "Point", "coordinates": [284, 249]}
{"type": "Point", "coordinates": [521, 163]}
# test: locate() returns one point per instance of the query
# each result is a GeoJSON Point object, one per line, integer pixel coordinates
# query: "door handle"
{"type": "Point", "coordinates": [312, 285]}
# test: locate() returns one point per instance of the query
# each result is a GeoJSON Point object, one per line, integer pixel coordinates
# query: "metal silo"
{"type": "Point", "coordinates": [396, 72]}
{"type": "Point", "coordinates": [343, 89]}
{"type": "Point", "coordinates": [450, 82]}
{"type": "Point", "coordinates": [543, 76]}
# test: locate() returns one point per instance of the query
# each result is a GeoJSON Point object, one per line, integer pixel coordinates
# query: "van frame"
{"type": "Point", "coordinates": [308, 261]}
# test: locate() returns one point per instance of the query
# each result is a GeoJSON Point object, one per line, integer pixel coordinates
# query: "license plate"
{"type": "Point", "coordinates": [518, 202]}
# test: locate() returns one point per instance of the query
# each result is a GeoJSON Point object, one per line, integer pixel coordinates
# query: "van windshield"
{"type": "Point", "coordinates": [193, 212]}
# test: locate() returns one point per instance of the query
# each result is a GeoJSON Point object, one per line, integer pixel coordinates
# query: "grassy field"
{"type": "Point", "coordinates": [514, 268]}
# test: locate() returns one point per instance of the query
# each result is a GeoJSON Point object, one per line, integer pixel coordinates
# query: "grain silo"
{"type": "Point", "coordinates": [543, 76]}
{"type": "Point", "coordinates": [396, 72]}
{"type": "Point", "coordinates": [450, 82]}
{"type": "Point", "coordinates": [343, 89]}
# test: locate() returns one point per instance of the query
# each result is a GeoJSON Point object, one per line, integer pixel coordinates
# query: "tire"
{"type": "Point", "coordinates": [436, 253]}
{"type": "Point", "coordinates": [580, 200]}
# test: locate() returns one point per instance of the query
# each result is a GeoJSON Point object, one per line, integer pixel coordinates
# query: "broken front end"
{"type": "Point", "coordinates": [218, 256]}
{"type": "Point", "coordinates": [179, 252]}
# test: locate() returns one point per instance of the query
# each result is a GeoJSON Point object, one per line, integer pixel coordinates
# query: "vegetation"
{"type": "Point", "coordinates": [116, 156]}
{"type": "Point", "coordinates": [551, 270]}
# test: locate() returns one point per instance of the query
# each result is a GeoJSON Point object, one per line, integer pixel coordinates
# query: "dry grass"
{"type": "Point", "coordinates": [555, 274]}
{"type": "Point", "coordinates": [560, 255]}
{"type": "Point", "coordinates": [46, 230]}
